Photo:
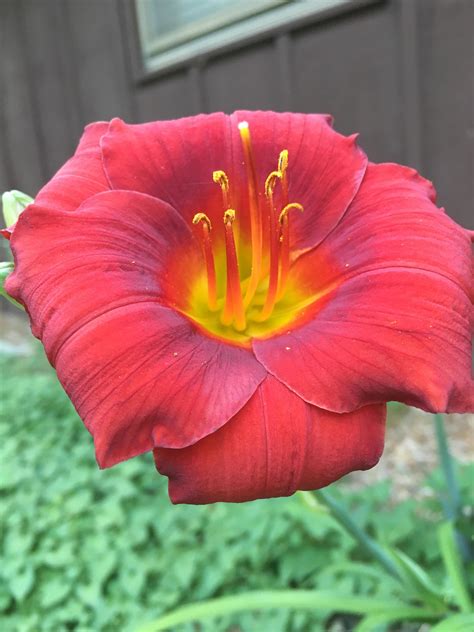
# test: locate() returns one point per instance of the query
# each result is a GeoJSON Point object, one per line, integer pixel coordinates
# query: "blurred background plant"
{"type": "Point", "coordinates": [105, 551]}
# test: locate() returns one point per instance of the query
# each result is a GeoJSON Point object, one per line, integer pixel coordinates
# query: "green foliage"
{"type": "Point", "coordinates": [455, 623]}
{"type": "Point", "coordinates": [91, 550]}
{"type": "Point", "coordinates": [454, 568]}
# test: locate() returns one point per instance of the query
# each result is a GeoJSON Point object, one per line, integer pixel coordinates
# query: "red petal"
{"type": "Point", "coordinates": [392, 222]}
{"type": "Point", "coordinates": [171, 160]}
{"type": "Point", "coordinates": [275, 445]}
{"type": "Point", "coordinates": [119, 248]}
{"type": "Point", "coordinates": [142, 376]}
{"type": "Point", "coordinates": [399, 325]}
{"type": "Point", "coordinates": [81, 177]}
{"type": "Point", "coordinates": [174, 160]}
{"type": "Point", "coordinates": [139, 374]}
{"type": "Point", "coordinates": [324, 172]}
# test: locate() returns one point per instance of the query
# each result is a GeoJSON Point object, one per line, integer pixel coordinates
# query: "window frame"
{"type": "Point", "coordinates": [152, 50]}
{"type": "Point", "coordinates": [285, 18]}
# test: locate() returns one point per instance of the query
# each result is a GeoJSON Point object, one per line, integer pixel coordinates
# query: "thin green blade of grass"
{"type": "Point", "coordinates": [453, 565]}
{"type": "Point", "coordinates": [297, 599]}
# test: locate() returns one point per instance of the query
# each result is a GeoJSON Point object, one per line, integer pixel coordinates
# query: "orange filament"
{"type": "Point", "coordinates": [270, 299]}
{"type": "Point", "coordinates": [255, 216]}
{"type": "Point", "coordinates": [234, 307]}
{"type": "Point", "coordinates": [252, 299]}
{"type": "Point", "coordinates": [285, 244]}
{"type": "Point", "coordinates": [209, 258]}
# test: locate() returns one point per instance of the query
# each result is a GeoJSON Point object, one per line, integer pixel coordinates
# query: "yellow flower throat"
{"type": "Point", "coordinates": [253, 297]}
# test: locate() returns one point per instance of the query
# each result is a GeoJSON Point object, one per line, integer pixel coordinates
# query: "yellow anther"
{"type": "Point", "coordinates": [271, 181]}
{"type": "Point", "coordinates": [283, 161]}
{"type": "Point", "coordinates": [202, 217]}
{"type": "Point", "coordinates": [229, 216]}
{"type": "Point", "coordinates": [288, 208]}
{"type": "Point", "coordinates": [220, 177]}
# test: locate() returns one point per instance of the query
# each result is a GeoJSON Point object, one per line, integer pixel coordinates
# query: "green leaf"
{"type": "Point", "coordinates": [456, 623]}
{"type": "Point", "coordinates": [309, 501]}
{"type": "Point", "coordinates": [6, 268]}
{"type": "Point", "coordinates": [357, 568]}
{"type": "Point", "coordinates": [268, 600]}
{"type": "Point", "coordinates": [453, 565]}
{"type": "Point", "coordinates": [376, 622]}
{"type": "Point", "coordinates": [21, 584]}
{"type": "Point", "coordinates": [14, 203]}
{"type": "Point", "coordinates": [53, 592]}
{"type": "Point", "coordinates": [90, 594]}
{"type": "Point", "coordinates": [417, 581]}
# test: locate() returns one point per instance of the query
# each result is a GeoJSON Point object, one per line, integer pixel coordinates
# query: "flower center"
{"type": "Point", "coordinates": [254, 297]}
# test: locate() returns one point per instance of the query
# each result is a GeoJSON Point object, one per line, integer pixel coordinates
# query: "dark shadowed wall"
{"type": "Point", "coordinates": [398, 71]}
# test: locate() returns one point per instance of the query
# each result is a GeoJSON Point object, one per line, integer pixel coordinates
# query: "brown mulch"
{"type": "Point", "coordinates": [411, 451]}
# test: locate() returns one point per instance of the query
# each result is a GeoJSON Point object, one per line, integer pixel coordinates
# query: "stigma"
{"type": "Point", "coordinates": [255, 281]}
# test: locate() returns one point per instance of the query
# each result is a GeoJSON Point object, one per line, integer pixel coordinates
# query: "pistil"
{"type": "Point", "coordinates": [255, 216]}
{"type": "Point", "coordinates": [206, 241]}
{"type": "Point", "coordinates": [234, 307]}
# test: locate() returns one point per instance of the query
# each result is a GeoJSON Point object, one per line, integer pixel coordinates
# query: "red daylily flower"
{"type": "Point", "coordinates": [242, 295]}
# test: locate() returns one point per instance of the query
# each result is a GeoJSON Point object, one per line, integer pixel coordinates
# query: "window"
{"type": "Point", "coordinates": [165, 24]}
{"type": "Point", "coordinates": [172, 32]}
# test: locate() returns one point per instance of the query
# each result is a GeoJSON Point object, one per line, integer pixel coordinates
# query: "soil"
{"type": "Point", "coordinates": [411, 451]}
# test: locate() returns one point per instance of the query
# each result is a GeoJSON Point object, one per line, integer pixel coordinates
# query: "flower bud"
{"type": "Point", "coordinates": [6, 267]}
{"type": "Point", "coordinates": [14, 203]}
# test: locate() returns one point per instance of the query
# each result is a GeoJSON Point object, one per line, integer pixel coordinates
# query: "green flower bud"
{"type": "Point", "coordinates": [6, 267]}
{"type": "Point", "coordinates": [14, 203]}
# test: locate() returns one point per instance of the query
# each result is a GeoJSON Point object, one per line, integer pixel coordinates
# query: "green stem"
{"type": "Point", "coordinates": [371, 546]}
{"type": "Point", "coordinates": [452, 502]}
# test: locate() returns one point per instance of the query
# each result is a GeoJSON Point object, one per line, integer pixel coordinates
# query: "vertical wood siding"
{"type": "Point", "coordinates": [398, 71]}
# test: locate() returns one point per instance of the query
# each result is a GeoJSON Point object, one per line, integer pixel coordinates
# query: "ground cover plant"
{"type": "Point", "coordinates": [105, 551]}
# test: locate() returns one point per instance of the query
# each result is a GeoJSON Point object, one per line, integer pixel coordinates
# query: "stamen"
{"type": "Point", "coordinates": [220, 178]}
{"type": "Point", "coordinates": [282, 167]}
{"type": "Point", "coordinates": [270, 182]}
{"type": "Point", "coordinates": [209, 258]}
{"type": "Point", "coordinates": [285, 244]}
{"type": "Point", "coordinates": [287, 209]}
{"type": "Point", "coordinates": [270, 299]}
{"type": "Point", "coordinates": [255, 218]}
{"type": "Point", "coordinates": [234, 307]}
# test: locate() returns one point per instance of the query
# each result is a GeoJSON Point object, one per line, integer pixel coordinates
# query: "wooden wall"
{"type": "Point", "coordinates": [398, 71]}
